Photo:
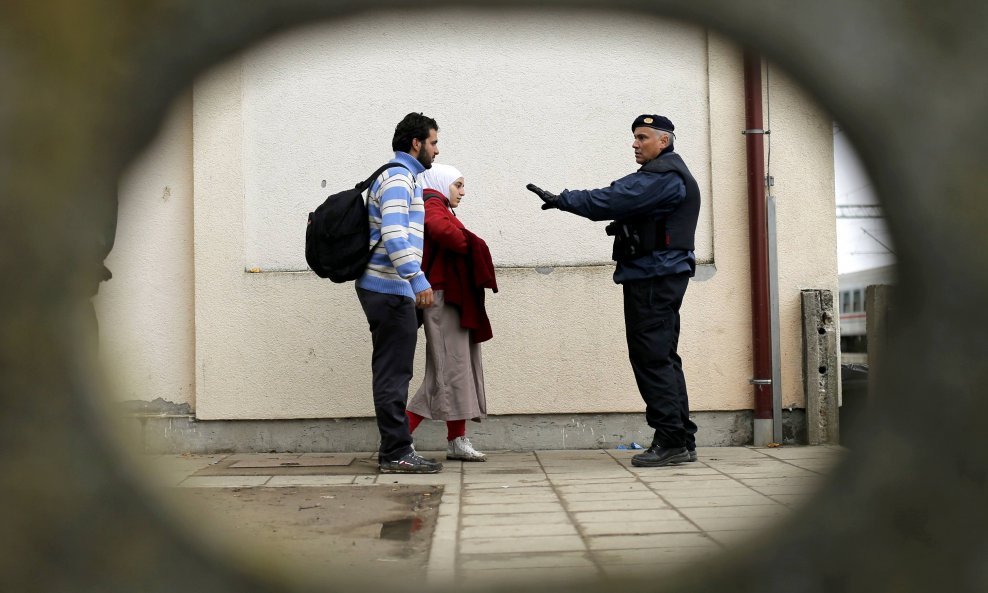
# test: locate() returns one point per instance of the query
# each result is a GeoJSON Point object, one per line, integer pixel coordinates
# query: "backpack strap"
{"type": "Point", "coordinates": [366, 183]}
{"type": "Point", "coordinates": [363, 185]}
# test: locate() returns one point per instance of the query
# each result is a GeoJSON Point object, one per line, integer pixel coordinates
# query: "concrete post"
{"type": "Point", "coordinates": [821, 372]}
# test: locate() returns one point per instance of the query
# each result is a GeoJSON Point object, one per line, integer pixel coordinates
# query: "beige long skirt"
{"type": "Point", "coordinates": [453, 388]}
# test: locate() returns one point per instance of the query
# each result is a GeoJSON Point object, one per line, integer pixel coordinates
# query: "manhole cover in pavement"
{"type": "Point", "coordinates": [293, 460]}
{"type": "Point", "coordinates": [291, 464]}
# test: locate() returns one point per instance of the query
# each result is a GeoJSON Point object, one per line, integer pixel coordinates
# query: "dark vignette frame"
{"type": "Point", "coordinates": [86, 84]}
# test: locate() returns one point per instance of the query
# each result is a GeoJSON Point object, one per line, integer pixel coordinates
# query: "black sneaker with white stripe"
{"type": "Point", "coordinates": [411, 463]}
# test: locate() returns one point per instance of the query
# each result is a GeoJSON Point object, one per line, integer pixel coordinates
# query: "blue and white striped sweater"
{"type": "Point", "coordinates": [395, 207]}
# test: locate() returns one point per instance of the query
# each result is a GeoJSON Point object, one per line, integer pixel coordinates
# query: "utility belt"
{"type": "Point", "coordinates": [633, 239]}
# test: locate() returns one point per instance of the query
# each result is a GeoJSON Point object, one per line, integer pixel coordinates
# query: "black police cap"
{"type": "Point", "coordinates": [653, 121]}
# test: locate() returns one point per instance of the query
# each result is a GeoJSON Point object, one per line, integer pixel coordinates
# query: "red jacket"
{"type": "Point", "coordinates": [459, 263]}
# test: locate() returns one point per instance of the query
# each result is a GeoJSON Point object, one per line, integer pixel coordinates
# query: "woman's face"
{"type": "Point", "coordinates": [456, 192]}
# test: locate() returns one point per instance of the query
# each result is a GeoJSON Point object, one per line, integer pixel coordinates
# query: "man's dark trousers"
{"type": "Point", "coordinates": [651, 321]}
{"type": "Point", "coordinates": [394, 330]}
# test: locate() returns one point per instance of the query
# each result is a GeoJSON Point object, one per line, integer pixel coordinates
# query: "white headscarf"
{"type": "Point", "coordinates": [439, 178]}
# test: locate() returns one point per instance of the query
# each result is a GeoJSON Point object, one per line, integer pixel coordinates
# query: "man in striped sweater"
{"type": "Point", "coordinates": [394, 285]}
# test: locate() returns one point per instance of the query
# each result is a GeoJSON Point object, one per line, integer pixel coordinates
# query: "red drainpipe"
{"type": "Point", "coordinates": [758, 239]}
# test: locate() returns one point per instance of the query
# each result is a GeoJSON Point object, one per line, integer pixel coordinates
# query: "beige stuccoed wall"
{"type": "Point", "coordinates": [269, 129]}
{"type": "Point", "coordinates": [147, 339]}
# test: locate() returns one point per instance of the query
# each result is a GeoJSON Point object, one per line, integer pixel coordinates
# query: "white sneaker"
{"type": "Point", "coordinates": [461, 448]}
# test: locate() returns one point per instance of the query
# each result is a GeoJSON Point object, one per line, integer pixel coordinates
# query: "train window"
{"type": "Point", "coordinates": [856, 303]}
{"type": "Point", "coordinates": [845, 301]}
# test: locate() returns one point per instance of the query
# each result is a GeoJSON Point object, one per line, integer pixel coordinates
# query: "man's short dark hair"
{"type": "Point", "coordinates": [414, 126]}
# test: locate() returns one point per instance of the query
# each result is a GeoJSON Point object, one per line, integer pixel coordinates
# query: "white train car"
{"type": "Point", "coordinates": [853, 317]}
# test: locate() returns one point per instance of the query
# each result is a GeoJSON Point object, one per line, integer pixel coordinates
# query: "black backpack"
{"type": "Point", "coordinates": [338, 233]}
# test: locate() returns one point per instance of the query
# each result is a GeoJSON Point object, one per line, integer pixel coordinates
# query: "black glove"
{"type": "Point", "coordinates": [551, 200]}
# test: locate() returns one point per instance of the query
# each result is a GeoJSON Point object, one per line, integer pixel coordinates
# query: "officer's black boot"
{"type": "Point", "coordinates": [657, 456]}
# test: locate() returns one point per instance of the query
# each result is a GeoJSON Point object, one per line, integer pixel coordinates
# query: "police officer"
{"type": "Point", "coordinates": [654, 210]}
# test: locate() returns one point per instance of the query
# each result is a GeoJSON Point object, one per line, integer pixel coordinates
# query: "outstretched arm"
{"type": "Point", "coordinates": [638, 193]}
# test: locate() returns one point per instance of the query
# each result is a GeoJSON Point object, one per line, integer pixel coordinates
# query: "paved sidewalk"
{"type": "Point", "coordinates": [573, 514]}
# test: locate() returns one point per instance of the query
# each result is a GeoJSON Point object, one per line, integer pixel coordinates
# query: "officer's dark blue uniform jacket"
{"type": "Point", "coordinates": [642, 193]}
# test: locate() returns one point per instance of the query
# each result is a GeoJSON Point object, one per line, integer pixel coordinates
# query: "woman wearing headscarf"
{"type": "Point", "coordinates": [458, 265]}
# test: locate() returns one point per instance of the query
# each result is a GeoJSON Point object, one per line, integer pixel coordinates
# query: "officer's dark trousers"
{"type": "Point", "coordinates": [394, 330]}
{"type": "Point", "coordinates": [651, 320]}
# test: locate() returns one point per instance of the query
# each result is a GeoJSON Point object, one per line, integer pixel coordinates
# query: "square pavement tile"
{"type": "Point", "coordinates": [596, 461]}
{"type": "Point", "coordinates": [765, 511]}
{"type": "Point", "coordinates": [518, 576]}
{"type": "Point", "coordinates": [695, 485]}
{"type": "Point", "coordinates": [440, 479]}
{"type": "Point", "coordinates": [572, 480]}
{"type": "Point", "coordinates": [615, 489]}
{"type": "Point", "coordinates": [521, 507]}
{"type": "Point", "coordinates": [639, 495]}
{"type": "Point", "coordinates": [279, 481]}
{"type": "Point", "coordinates": [734, 490]}
{"type": "Point", "coordinates": [500, 459]}
{"type": "Point", "coordinates": [753, 464]}
{"type": "Point", "coordinates": [497, 479]}
{"type": "Point", "coordinates": [792, 500]}
{"type": "Point", "coordinates": [507, 491]}
{"type": "Point", "coordinates": [816, 465]}
{"type": "Point", "coordinates": [775, 489]}
{"type": "Point", "coordinates": [713, 524]}
{"type": "Point", "coordinates": [725, 453]}
{"type": "Point", "coordinates": [500, 467]}
{"type": "Point", "coordinates": [642, 542]}
{"type": "Point", "coordinates": [672, 472]}
{"type": "Point", "coordinates": [718, 501]}
{"type": "Point", "coordinates": [501, 545]}
{"type": "Point", "coordinates": [516, 519]}
{"type": "Point", "coordinates": [630, 556]}
{"type": "Point", "coordinates": [643, 570]}
{"type": "Point", "coordinates": [527, 483]}
{"type": "Point", "coordinates": [627, 516]}
{"type": "Point", "coordinates": [508, 498]}
{"type": "Point", "coordinates": [609, 474]}
{"type": "Point", "coordinates": [803, 452]}
{"type": "Point", "coordinates": [735, 538]}
{"type": "Point", "coordinates": [616, 505]}
{"type": "Point", "coordinates": [524, 530]}
{"type": "Point", "coordinates": [549, 456]}
{"type": "Point", "coordinates": [706, 476]}
{"type": "Point", "coordinates": [809, 482]}
{"type": "Point", "coordinates": [780, 471]}
{"type": "Point", "coordinates": [513, 560]}
{"type": "Point", "coordinates": [224, 481]}
{"type": "Point", "coordinates": [637, 527]}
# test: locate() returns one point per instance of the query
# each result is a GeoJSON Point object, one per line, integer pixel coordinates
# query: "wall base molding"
{"type": "Point", "coordinates": [186, 434]}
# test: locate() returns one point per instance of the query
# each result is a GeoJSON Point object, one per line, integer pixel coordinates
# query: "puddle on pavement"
{"type": "Point", "coordinates": [324, 528]}
{"type": "Point", "coordinates": [402, 529]}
